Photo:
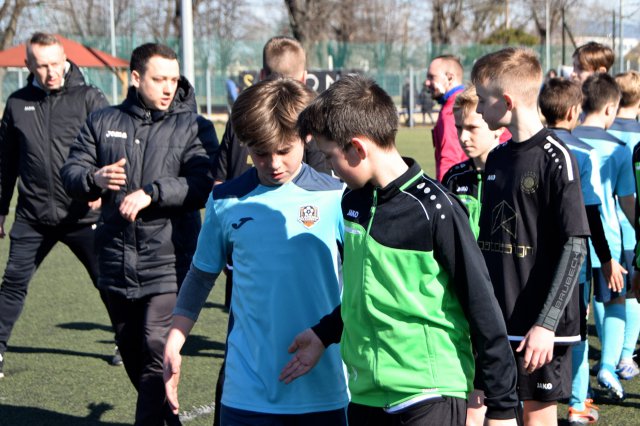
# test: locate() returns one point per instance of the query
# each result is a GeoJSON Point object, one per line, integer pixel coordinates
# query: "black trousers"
{"type": "Point", "coordinates": [142, 326]}
{"type": "Point", "coordinates": [30, 244]}
{"type": "Point", "coordinates": [447, 411]}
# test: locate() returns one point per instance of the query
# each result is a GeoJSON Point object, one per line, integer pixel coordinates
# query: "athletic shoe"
{"type": "Point", "coordinates": [587, 416]}
{"type": "Point", "coordinates": [1, 365]}
{"type": "Point", "coordinates": [117, 359]}
{"type": "Point", "coordinates": [627, 369]}
{"type": "Point", "coordinates": [610, 381]}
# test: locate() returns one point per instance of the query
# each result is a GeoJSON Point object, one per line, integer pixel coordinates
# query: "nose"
{"type": "Point", "coordinates": [276, 161]}
{"type": "Point", "coordinates": [463, 135]}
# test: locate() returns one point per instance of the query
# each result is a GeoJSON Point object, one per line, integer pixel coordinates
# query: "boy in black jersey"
{"type": "Point", "coordinates": [533, 230]}
{"type": "Point", "coordinates": [477, 140]}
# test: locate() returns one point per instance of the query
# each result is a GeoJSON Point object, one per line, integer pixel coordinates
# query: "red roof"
{"type": "Point", "coordinates": [81, 55]}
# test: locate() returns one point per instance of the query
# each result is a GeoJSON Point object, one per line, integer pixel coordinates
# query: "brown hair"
{"type": "Point", "coordinates": [264, 115]}
{"type": "Point", "coordinates": [513, 70]}
{"type": "Point", "coordinates": [283, 56]}
{"type": "Point", "coordinates": [466, 100]}
{"type": "Point", "coordinates": [629, 84]}
{"type": "Point", "coordinates": [352, 106]}
{"type": "Point", "coordinates": [592, 56]}
{"type": "Point", "coordinates": [557, 97]}
{"type": "Point", "coordinates": [599, 90]}
{"type": "Point", "coordinates": [41, 39]}
{"type": "Point", "coordinates": [141, 55]}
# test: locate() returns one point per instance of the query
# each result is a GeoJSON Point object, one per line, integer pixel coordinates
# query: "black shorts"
{"type": "Point", "coordinates": [443, 411]}
{"type": "Point", "coordinates": [550, 383]}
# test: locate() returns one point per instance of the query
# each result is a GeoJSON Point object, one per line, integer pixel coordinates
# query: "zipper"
{"type": "Point", "coordinates": [49, 142]}
{"type": "Point", "coordinates": [374, 346]}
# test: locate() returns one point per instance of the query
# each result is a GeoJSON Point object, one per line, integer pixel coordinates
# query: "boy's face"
{"type": "Point", "coordinates": [280, 166]}
{"type": "Point", "coordinates": [476, 139]}
{"type": "Point", "coordinates": [579, 74]}
{"type": "Point", "coordinates": [344, 162]}
{"type": "Point", "coordinates": [492, 107]}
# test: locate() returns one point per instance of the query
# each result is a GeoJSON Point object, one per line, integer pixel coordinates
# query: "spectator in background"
{"type": "Point", "coordinates": [444, 80]}
{"type": "Point", "coordinates": [426, 104]}
{"type": "Point", "coordinates": [232, 92]}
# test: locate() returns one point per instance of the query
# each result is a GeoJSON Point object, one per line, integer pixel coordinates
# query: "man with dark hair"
{"type": "Point", "coordinates": [444, 80]}
{"type": "Point", "coordinates": [149, 160]}
{"type": "Point", "coordinates": [40, 122]}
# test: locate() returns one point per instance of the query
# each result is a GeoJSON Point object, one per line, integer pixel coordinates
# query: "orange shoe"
{"type": "Point", "coordinates": [587, 416]}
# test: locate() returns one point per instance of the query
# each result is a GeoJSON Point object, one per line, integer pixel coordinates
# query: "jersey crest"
{"type": "Point", "coordinates": [309, 215]}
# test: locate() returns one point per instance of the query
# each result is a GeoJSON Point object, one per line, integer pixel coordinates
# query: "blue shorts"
{"type": "Point", "coordinates": [236, 417]}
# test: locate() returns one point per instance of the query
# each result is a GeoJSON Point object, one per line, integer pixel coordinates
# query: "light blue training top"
{"type": "Point", "coordinates": [617, 180]}
{"type": "Point", "coordinates": [286, 267]}
{"type": "Point", "coordinates": [628, 131]}
{"type": "Point", "coordinates": [590, 182]}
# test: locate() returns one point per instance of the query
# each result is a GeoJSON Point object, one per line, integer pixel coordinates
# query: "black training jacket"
{"type": "Point", "coordinates": [169, 153]}
{"type": "Point", "coordinates": [37, 131]}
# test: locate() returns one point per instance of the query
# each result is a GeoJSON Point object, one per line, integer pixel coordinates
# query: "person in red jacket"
{"type": "Point", "coordinates": [444, 80]}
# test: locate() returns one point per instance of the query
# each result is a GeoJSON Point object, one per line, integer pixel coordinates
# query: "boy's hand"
{"type": "Point", "coordinates": [171, 375]}
{"type": "Point", "coordinates": [308, 349]}
{"type": "Point", "coordinates": [496, 422]}
{"type": "Point", "coordinates": [613, 272]}
{"type": "Point", "coordinates": [538, 348]}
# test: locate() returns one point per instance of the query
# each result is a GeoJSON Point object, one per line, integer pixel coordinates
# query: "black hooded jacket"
{"type": "Point", "coordinates": [168, 153]}
{"type": "Point", "coordinates": [38, 128]}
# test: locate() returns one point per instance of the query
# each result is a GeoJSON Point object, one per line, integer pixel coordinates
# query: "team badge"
{"type": "Point", "coordinates": [529, 183]}
{"type": "Point", "coordinates": [308, 216]}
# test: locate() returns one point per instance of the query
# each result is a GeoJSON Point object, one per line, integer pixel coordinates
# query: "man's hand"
{"type": "Point", "coordinates": [614, 274]}
{"type": "Point", "coordinates": [2, 232]}
{"type": "Point", "coordinates": [308, 349]}
{"type": "Point", "coordinates": [538, 348]}
{"type": "Point", "coordinates": [133, 203]}
{"type": "Point", "coordinates": [112, 176]}
{"type": "Point", "coordinates": [171, 374]}
{"type": "Point", "coordinates": [95, 205]}
{"type": "Point", "coordinates": [635, 285]}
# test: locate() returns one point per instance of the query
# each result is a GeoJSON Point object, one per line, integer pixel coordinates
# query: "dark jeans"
{"type": "Point", "coordinates": [447, 411]}
{"type": "Point", "coordinates": [142, 326]}
{"type": "Point", "coordinates": [30, 244]}
{"type": "Point", "coordinates": [234, 417]}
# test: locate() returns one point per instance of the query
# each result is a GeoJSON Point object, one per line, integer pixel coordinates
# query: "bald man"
{"type": "Point", "coordinates": [444, 81]}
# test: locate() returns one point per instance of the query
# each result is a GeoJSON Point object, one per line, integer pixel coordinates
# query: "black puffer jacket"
{"type": "Point", "coordinates": [172, 151]}
{"type": "Point", "coordinates": [36, 133]}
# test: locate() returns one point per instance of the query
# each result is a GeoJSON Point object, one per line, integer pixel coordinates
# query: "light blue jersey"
{"type": "Point", "coordinates": [628, 131]}
{"type": "Point", "coordinates": [617, 180]}
{"type": "Point", "coordinates": [284, 241]}
{"type": "Point", "coordinates": [590, 182]}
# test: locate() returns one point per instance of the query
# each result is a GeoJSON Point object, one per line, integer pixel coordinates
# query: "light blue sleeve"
{"type": "Point", "coordinates": [625, 184]}
{"type": "Point", "coordinates": [211, 253]}
{"type": "Point", "coordinates": [595, 182]}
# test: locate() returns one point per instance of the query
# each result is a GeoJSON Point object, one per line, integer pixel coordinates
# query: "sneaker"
{"type": "Point", "coordinates": [1, 365]}
{"type": "Point", "coordinates": [627, 369]}
{"type": "Point", "coordinates": [610, 381]}
{"type": "Point", "coordinates": [587, 416]}
{"type": "Point", "coordinates": [117, 359]}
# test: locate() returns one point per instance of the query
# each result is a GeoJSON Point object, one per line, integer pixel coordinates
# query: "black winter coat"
{"type": "Point", "coordinates": [37, 130]}
{"type": "Point", "coordinates": [170, 150]}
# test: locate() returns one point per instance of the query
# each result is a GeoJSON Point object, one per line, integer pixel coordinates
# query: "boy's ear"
{"type": "Point", "coordinates": [360, 147]}
{"type": "Point", "coordinates": [508, 100]}
{"type": "Point", "coordinates": [601, 69]}
{"type": "Point", "coordinates": [572, 112]}
{"type": "Point", "coordinates": [611, 109]}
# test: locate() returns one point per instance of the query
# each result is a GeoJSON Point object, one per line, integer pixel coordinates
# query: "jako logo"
{"type": "Point", "coordinates": [491, 177]}
{"type": "Point", "coordinates": [30, 108]}
{"type": "Point", "coordinates": [545, 386]}
{"type": "Point", "coordinates": [116, 134]}
{"type": "Point", "coordinates": [354, 214]}
{"type": "Point", "coordinates": [462, 189]}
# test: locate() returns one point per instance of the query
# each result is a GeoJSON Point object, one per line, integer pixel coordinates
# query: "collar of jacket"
{"type": "Point", "coordinates": [396, 186]}
{"type": "Point", "coordinates": [184, 100]}
{"type": "Point", "coordinates": [450, 92]}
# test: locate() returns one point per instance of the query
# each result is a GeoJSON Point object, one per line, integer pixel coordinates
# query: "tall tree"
{"type": "Point", "coordinates": [446, 18]}
{"type": "Point", "coordinates": [10, 13]}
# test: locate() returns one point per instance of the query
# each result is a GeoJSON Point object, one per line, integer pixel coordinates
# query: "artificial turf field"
{"type": "Point", "coordinates": [57, 365]}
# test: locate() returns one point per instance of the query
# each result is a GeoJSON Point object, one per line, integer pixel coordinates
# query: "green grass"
{"type": "Point", "coordinates": [57, 363]}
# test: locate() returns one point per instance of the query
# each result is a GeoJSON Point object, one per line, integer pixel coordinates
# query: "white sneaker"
{"type": "Point", "coordinates": [609, 381]}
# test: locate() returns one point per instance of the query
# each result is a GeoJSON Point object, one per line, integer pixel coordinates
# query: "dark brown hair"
{"type": "Point", "coordinates": [557, 97]}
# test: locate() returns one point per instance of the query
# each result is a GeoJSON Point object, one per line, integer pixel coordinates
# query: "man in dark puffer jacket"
{"type": "Point", "coordinates": [40, 123]}
{"type": "Point", "coordinates": [149, 159]}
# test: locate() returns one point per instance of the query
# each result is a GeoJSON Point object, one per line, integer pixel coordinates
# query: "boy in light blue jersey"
{"type": "Point", "coordinates": [626, 128]}
{"type": "Point", "coordinates": [560, 102]}
{"type": "Point", "coordinates": [282, 222]}
{"type": "Point", "coordinates": [601, 98]}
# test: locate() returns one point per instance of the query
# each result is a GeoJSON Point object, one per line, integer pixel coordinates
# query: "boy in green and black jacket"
{"type": "Point", "coordinates": [416, 291]}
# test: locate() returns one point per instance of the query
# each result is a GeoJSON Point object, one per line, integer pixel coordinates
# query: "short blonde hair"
{"type": "Point", "coordinates": [466, 100]}
{"type": "Point", "coordinates": [516, 71]}
{"type": "Point", "coordinates": [629, 84]}
{"type": "Point", "coordinates": [283, 56]}
{"type": "Point", "coordinates": [265, 114]}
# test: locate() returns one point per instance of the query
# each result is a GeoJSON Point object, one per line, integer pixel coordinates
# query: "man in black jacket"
{"type": "Point", "coordinates": [149, 159]}
{"type": "Point", "coordinates": [40, 123]}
